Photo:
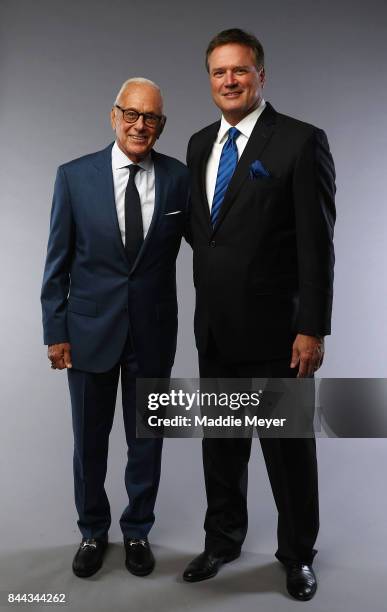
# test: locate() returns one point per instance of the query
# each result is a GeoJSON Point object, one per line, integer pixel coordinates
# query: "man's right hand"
{"type": "Point", "coordinates": [60, 355]}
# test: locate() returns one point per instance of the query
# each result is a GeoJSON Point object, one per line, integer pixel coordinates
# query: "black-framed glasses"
{"type": "Point", "coordinates": [131, 116]}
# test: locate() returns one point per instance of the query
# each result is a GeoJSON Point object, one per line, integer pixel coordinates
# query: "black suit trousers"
{"type": "Point", "coordinates": [291, 465]}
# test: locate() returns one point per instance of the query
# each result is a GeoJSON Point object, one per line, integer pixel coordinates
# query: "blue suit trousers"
{"type": "Point", "coordinates": [93, 399]}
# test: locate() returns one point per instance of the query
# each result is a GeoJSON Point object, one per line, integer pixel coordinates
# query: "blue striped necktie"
{"type": "Point", "coordinates": [227, 164]}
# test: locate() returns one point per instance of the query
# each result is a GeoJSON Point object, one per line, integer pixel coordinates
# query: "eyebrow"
{"type": "Point", "coordinates": [246, 66]}
{"type": "Point", "coordinates": [132, 108]}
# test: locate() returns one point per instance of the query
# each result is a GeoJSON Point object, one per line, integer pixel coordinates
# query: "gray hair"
{"type": "Point", "coordinates": [136, 80]}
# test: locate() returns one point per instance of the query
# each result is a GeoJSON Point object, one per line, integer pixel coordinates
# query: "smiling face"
{"type": "Point", "coordinates": [137, 139]}
{"type": "Point", "coordinates": [236, 82]}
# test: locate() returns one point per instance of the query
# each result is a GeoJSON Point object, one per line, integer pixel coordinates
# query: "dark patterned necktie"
{"type": "Point", "coordinates": [134, 231]}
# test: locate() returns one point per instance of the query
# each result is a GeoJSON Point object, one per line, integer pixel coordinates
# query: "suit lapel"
{"type": "Point", "coordinates": [105, 188]}
{"type": "Point", "coordinates": [259, 138]}
{"type": "Point", "coordinates": [161, 186]}
{"type": "Point", "coordinates": [201, 167]}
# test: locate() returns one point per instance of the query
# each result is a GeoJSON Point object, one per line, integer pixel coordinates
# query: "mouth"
{"type": "Point", "coordinates": [138, 138]}
{"type": "Point", "coordinates": [232, 94]}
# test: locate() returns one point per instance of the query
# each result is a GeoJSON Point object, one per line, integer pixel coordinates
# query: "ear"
{"type": "Point", "coordinates": [161, 126]}
{"type": "Point", "coordinates": [113, 118]}
{"type": "Point", "coordinates": [262, 76]}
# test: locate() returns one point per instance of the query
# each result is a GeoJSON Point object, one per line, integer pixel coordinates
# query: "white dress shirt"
{"type": "Point", "coordinates": [145, 183]}
{"type": "Point", "coordinates": [245, 127]}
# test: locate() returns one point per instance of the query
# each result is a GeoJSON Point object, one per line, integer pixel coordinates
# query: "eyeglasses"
{"type": "Point", "coordinates": [131, 116]}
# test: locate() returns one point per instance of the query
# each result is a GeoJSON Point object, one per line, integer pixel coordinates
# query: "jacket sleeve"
{"type": "Point", "coordinates": [315, 214]}
{"type": "Point", "coordinates": [56, 278]}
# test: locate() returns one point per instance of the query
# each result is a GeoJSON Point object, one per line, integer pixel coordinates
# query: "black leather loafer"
{"type": "Point", "coordinates": [206, 565]}
{"type": "Point", "coordinates": [89, 557]}
{"type": "Point", "coordinates": [301, 581]}
{"type": "Point", "coordinates": [139, 557]}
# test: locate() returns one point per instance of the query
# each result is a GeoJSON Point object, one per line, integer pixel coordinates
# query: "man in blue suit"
{"type": "Point", "coordinates": [109, 307]}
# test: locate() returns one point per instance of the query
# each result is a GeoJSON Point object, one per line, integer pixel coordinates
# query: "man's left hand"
{"type": "Point", "coordinates": [307, 354]}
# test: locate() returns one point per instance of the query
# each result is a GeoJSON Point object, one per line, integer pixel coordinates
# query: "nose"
{"type": "Point", "coordinates": [229, 79]}
{"type": "Point", "coordinates": [139, 125]}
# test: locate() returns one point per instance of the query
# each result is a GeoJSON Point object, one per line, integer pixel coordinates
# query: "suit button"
{"type": "Point", "coordinates": [212, 243]}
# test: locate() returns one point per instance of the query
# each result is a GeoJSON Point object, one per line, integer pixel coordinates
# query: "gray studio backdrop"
{"type": "Point", "coordinates": [61, 64]}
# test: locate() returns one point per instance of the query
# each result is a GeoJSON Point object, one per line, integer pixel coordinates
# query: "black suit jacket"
{"type": "Point", "coordinates": [265, 272]}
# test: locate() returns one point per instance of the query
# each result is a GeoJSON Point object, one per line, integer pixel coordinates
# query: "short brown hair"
{"type": "Point", "coordinates": [235, 35]}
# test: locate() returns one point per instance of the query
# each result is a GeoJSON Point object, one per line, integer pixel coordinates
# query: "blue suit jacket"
{"type": "Point", "coordinates": [90, 297]}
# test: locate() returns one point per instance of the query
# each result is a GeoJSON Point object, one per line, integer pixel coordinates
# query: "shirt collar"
{"type": "Point", "coordinates": [120, 160]}
{"type": "Point", "coordinates": [245, 126]}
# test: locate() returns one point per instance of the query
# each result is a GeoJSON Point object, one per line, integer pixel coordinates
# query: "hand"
{"type": "Point", "coordinates": [60, 355]}
{"type": "Point", "coordinates": [308, 354]}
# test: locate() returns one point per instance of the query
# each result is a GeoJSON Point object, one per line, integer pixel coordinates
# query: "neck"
{"type": "Point", "coordinates": [233, 118]}
{"type": "Point", "coordinates": [133, 158]}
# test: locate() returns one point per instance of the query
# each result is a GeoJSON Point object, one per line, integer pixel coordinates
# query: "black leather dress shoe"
{"type": "Point", "coordinates": [89, 557]}
{"type": "Point", "coordinates": [206, 565]}
{"type": "Point", "coordinates": [301, 581]}
{"type": "Point", "coordinates": [139, 557]}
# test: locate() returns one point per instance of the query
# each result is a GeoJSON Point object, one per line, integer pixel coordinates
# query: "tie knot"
{"type": "Point", "coordinates": [233, 133]}
{"type": "Point", "coordinates": [133, 169]}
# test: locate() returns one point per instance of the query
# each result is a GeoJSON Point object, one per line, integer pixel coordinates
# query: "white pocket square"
{"type": "Point", "coordinates": [174, 212]}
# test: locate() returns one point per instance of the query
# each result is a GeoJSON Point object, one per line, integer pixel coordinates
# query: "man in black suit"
{"type": "Point", "coordinates": [262, 217]}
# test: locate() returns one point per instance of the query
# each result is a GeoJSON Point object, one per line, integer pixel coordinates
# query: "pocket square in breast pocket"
{"type": "Point", "coordinates": [174, 212]}
{"type": "Point", "coordinates": [258, 170]}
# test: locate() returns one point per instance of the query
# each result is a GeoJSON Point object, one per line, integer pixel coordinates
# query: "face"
{"type": "Point", "coordinates": [236, 82]}
{"type": "Point", "coordinates": [137, 139]}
